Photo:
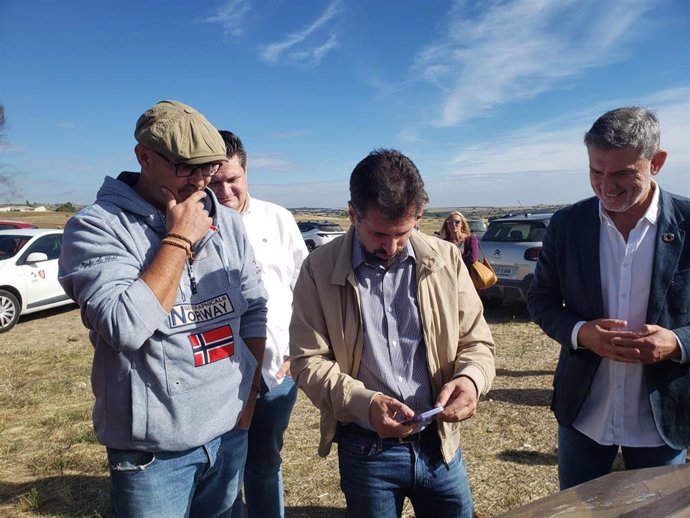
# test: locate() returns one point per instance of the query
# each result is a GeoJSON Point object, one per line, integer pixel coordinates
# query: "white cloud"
{"type": "Point", "coordinates": [673, 109]}
{"type": "Point", "coordinates": [66, 125]}
{"type": "Point", "coordinates": [410, 134]}
{"type": "Point", "coordinates": [538, 163]}
{"type": "Point", "coordinates": [322, 194]}
{"type": "Point", "coordinates": [230, 16]}
{"type": "Point", "coordinates": [547, 162]}
{"type": "Point", "coordinates": [271, 163]}
{"type": "Point", "coordinates": [308, 46]}
{"type": "Point", "coordinates": [515, 50]}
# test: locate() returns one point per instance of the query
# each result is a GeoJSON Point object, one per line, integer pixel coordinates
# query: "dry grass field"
{"type": "Point", "coordinates": [53, 466]}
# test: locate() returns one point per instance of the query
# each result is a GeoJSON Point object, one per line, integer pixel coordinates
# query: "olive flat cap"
{"type": "Point", "coordinates": [179, 133]}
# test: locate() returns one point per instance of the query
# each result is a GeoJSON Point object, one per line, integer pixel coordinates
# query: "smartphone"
{"type": "Point", "coordinates": [424, 416]}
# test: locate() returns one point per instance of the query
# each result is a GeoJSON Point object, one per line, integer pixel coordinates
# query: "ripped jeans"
{"type": "Point", "coordinates": [200, 482]}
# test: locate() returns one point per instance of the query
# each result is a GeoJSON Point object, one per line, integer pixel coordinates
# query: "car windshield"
{"type": "Point", "coordinates": [331, 227]}
{"type": "Point", "coordinates": [10, 245]}
{"type": "Point", "coordinates": [515, 231]}
{"type": "Point", "coordinates": [476, 225]}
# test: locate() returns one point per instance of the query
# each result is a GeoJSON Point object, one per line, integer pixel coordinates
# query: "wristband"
{"type": "Point", "coordinates": [178, 236]}
{"type": "Point", "coordinates": [189, 252]}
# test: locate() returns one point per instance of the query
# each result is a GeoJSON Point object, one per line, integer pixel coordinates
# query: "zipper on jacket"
{"type": "Point", "coordinates": [190, 273]}
{"type": "Point", "coordinates": [200, 244]}
{"type": "Point", "coordinates": [190, 260]}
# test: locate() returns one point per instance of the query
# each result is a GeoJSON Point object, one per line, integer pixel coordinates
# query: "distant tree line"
{"type": "Point", "coordinates": [66, 207]}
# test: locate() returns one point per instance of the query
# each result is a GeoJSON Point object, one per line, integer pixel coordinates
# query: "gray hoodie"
{"type": "Point", "coordinates": [163, 382]}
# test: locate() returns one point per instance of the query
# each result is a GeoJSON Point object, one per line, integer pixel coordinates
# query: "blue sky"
{"type": "Point", "coordinates": [490, 99]}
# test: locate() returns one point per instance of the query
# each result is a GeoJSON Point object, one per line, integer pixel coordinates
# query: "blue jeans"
{"type": "Point", "coordinates": [377, 474]}
{"type": "Point", "coordinates": [263, 475]}
{"type": "Point", "coordinates": [580, 459]}
{"type": "Point", "coordinates": [201, 482]}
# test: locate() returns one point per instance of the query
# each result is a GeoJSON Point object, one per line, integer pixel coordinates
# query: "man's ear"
{"type": "Point", "coordinates": [658, 161]}
{"type": "Point", "coordinates": [143, 155]}
{"type": "Point", "coordinates": [352, 214]}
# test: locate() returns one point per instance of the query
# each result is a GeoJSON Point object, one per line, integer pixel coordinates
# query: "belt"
{"type": "Point", "coordinates": [355, 429]}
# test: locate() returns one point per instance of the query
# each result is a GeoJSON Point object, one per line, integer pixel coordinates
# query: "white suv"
{"type": "Point", "coordinates": [316, 233]}
{"type": "Point", "coordinates": [512, 245]}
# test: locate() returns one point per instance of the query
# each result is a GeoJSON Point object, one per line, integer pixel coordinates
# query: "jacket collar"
{"type": "Point", "coordinates": [426, 257]}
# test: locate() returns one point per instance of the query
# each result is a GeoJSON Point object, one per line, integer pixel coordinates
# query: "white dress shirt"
{"type": "Point", "coordinates": [617, 409]}
{"type": "Point", "coordinates": [279, 250]}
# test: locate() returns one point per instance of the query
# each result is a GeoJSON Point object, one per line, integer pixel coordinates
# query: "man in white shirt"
{"type": "Point", "coordinates": [611, 286]}
{"type": "Point", "coordinates": [279, 250]}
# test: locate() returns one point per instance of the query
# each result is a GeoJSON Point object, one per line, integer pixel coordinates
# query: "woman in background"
{"type": "Point", "coordinates": [456, 230]}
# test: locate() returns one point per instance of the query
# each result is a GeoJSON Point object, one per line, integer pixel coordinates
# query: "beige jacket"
{"type": "Point", "coordinates": [326, 334]}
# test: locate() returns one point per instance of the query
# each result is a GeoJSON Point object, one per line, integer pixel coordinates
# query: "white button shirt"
{"type": "Point", "coordinates": [617, 409]}
{"type": "Point", "coordinates": [279, 251]}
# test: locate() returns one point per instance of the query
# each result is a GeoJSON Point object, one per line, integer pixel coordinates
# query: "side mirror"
{"type": "Point", "coordinates": [36, 257]}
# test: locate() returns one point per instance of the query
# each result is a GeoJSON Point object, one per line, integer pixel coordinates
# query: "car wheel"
{"type": "Point", "coordinates": [9, 311]}
{"type": "Point", "coordinates": [310, 245]}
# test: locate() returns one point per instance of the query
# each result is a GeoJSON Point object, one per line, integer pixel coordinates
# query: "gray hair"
{"type": "Point", "coordinates": [630, 127]}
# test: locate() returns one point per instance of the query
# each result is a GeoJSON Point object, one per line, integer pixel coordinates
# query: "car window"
{"type": "Point", "coordinates": [11, 245]}
{"type": "Point", "coordinates": [477, 226]}
{"type": "Point", "coordinates": [305, 227]}
{"type": "Point", "coordinates": [330, 227]}
{"type": "Point", "coordinates": [536, 232]}
{"type": "Point", "coordinates": [515, 231]}
{"type": "Point", "coordinates": [49, 245]}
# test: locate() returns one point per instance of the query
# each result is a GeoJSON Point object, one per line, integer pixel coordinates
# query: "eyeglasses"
{"type": "Point", "coordinates": [187, 170]}
{"type": "Point", "coordinates": [453, 222]}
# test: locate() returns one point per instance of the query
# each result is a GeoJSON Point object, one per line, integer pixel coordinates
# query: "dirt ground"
{"type": "Point", "coordinates": [54, 466]}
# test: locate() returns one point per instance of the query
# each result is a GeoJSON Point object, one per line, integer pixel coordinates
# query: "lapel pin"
{"type": "Point", "coordinates": [667, 238]}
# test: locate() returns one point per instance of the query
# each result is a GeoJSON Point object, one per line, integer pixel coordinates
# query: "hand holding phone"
{"type": "Point", "coordinates": [424, 417]}
{"type": "Point", "coordinates": [421, 421]}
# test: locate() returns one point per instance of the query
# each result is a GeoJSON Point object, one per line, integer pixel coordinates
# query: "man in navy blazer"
{"type": "Point", "coordinates": [612, 286]}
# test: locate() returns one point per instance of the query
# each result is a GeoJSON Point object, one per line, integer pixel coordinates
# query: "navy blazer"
{"type": "Point", "coordinates": [567, 288]}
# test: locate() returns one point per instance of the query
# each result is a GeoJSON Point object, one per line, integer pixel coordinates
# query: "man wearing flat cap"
{"type": "Point", "coordinates": [167, 286]}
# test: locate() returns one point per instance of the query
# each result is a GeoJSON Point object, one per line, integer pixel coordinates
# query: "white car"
{"type": "Point", "coordinates": [29, 273]}
{"type": "Point", "coordinates": [319, 232]}
{"type": "Point", "coordinates": [512, 245]}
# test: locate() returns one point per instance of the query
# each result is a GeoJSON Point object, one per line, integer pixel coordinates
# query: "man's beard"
{"type": "Point", "coordinates": [372, 258]}
{"type": "Point", "coordinates": [186, 192]}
